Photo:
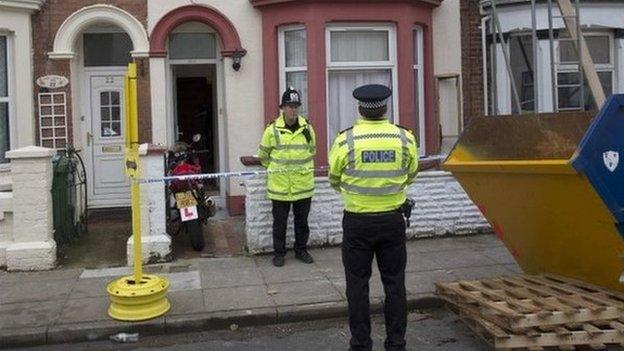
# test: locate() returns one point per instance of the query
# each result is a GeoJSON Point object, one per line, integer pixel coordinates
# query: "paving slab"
{"type": "Point", "coordinates": [89, 309]}
{"type": "Point", "coordinates": [424, 282]}
{"type": "Point", "coordinates": [481, 272]}
{"type": "Point", "coordinates": [186, 302]}
{"type": "Point", "coordinates": [461, 258]}
{"type": "Point", "coordinates": [292, 271]}
{"type": "Point", "coordinates": [31, 314]}
{"type": "Point", "coordinates": [183, 281]}
{"type": "Point", "coordinates": [22, 277]}
{"type": "Point", "coordinates": [375, 287]}
{"type": "Point", "coordinates": [239, 298]}
{"type": "Point", "coordinates": [90, 287]}
{"type": "Point", "coordinates": [498, 254]}
{"type": "Point", "coordinates": [306, 292]}
{"type": "Point", "coordinates": [231, 277]}
{"type": "Point", "coordinates": [33, 290]}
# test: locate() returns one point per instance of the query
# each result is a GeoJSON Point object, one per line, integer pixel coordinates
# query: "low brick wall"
{"type": "Point", "coordinates": [442, 208]}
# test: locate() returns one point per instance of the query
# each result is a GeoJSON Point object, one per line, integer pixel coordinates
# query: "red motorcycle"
{"type": "Point", "coordinates": [188, 203]}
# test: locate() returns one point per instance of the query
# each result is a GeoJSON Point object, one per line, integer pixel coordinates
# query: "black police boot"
{"type": "Point", "coordinates": [304, 257]}
{"type": "Point", "coordinates": [278, 261]}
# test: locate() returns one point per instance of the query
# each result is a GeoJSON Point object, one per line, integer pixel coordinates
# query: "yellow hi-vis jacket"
{"type": "Point", "coordinates": [291, 157]}
{"type": "Point", "coordinates": [371, 164]}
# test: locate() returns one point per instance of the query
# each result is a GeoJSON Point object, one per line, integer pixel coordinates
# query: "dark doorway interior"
{"type": "Point", "coordinates": [195, 98]}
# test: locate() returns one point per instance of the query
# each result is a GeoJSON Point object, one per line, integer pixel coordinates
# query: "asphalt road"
{"type": "Point", "coordinates": [427, 330]}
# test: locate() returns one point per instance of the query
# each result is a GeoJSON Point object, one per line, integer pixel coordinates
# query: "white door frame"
{"type": "Point", "coordinates": [87, 127]}
{"type": "Point", "coordinates": [219, 85]}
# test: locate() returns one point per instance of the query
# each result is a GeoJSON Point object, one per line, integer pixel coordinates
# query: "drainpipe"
{"type": "Point", "coordinates": [484, 20]}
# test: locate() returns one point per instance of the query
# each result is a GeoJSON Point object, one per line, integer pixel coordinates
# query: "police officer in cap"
{"type": "Point", "coordinates": [287, 150]}
{"type": "Point", "coordinates": [371, 164]}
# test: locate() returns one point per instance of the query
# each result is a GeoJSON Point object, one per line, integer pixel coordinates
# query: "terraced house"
{"type": "Point", "coordinates": [218, 68]}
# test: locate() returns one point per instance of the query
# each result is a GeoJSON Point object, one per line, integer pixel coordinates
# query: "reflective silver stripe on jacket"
{"type": "Point", "coordinates": [405, 148]}
{"type": "Point", "coordinates": [375, 174]}
{"type": "Point", "coordinates": [387, 190]}
{"type": "Point", "coordinates": [276, 192]}
{"type": "Point", "coordinates": [292, 147]}
{"type": "Point", "coordinates": [374, 136]}
{"type": "Point", "coordinates": [276, 134]}
{"type": "Point", "coordinates": [292, 162]}
{"type": "Point", "coordinates": [351, 152]}
{"type": "Point", "coordinates": [303, 192]}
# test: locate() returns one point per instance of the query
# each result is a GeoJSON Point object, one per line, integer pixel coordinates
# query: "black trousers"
{"type": "Point", "coordinates": [281, 209]}
{"type": "Point", "coordinates": [382, 235]}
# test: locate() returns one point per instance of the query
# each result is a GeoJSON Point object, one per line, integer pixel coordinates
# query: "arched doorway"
{"type": "Point", "coordinates": [100, 41]}
{"type": "Point", "coordinates": [188, 46]}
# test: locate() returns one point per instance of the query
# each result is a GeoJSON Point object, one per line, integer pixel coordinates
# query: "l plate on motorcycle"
{"type": "Point", "coordinates": [185, 199]}
{"type": "Point", "coordinates": [189, 213]}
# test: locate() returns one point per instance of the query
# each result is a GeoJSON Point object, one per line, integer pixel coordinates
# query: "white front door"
{"type": "Point", "coordinates": [108, 185]}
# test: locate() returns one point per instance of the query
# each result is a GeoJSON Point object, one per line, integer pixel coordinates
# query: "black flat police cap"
{"type": "Point", "coordinates": [372, 96]}
{"type": "Point", "coordinates": [291, 97]}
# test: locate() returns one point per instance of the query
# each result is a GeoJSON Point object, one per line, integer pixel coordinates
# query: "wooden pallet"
{"type": "Point", "coordinates": [517, 304]}
{"type": "Point", "coordinates": [595, 335]}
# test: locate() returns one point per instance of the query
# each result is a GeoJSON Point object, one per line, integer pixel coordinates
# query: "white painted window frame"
{"type": "Point", "coordinates": [53, 115]}
{"type": "Point", "coordinates": [281, 51]}
{"type": "Point", "coordinates": [10, 94]}
{"type": "Point", "coordinates": [570, 68]}
{"type": "Point", "coordinates": [418, 33]}
{"type": "Point", "coordinates": [390, 64]}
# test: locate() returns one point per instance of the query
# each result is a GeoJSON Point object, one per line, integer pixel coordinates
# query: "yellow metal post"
{"type": "Point", "coordinates": [138, 297]}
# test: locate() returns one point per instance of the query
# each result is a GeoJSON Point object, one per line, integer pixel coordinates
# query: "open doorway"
{"type": "Point", "coordinates": [195, 111]}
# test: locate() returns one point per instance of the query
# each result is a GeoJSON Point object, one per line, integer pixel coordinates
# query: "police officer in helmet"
{"type": "Point", "coordinates": [371, 164]}
{"type": "Point", "coordinates": [287, 150]}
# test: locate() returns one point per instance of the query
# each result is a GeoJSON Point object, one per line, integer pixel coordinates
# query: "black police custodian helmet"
{"type": "Point", "coordinates": [372, 96]}
{"type": "Point", "coordinates": [291, 97]}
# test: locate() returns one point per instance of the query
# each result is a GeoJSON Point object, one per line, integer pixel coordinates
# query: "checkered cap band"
{"type": "Point", "coordinates": [373, 104]}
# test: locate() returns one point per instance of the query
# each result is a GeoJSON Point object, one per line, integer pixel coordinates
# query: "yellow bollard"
{"type": "Point", "coordinates": [137, 297]}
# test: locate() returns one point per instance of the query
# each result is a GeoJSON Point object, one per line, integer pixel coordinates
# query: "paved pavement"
{"type": "Point", "coordinates": [427, 330]}
{"type": "Point", "coordinates": [213, 293]}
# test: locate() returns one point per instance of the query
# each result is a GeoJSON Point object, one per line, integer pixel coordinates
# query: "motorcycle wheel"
{"type": "Point", "coordinates": [196, 235]}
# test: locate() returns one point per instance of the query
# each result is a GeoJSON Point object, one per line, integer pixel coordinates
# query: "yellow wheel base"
{"type": "Point", "coordinates": [138, 302]}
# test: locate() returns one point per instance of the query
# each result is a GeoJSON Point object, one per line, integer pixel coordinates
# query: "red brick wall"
{"type": "Point", "coordinates": [45, 24]}
{"type": "Point", "coordinates": [472, 59]}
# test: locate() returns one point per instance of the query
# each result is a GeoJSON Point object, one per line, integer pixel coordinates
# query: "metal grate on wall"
{"type": "Point", "coordinates": [53, 120]}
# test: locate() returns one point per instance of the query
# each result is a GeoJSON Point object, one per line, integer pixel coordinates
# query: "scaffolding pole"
{"type": "Point", "coordinates": [535, 58]}
{"type": "Point", "coordinates": [499, 32]}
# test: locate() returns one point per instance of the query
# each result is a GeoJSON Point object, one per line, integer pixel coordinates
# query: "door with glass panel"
{"type": "Point", "coordinates": [106, 142]}
{"type": "Point", "coordinates": [106, 56]}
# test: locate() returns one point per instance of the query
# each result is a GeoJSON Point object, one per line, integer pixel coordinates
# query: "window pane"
{"type": "Point", "coordinates": [598, 45]}
{"type": "Point", "coordinates": [295, 47]}
{"type": "Point", "coordinates": [359, 45]}
{"type": "Point", "coordinates": [569, 96]}
{"type": "Point", "coordinates": [104, 98]}
{"type": "Point", "coordinates": [4, 81]}
{"type": "Point", "coordinates": [107, 49]}
{"type": "Point", "coordinates": [192, 46]}
{"type": "Point", "coordinates": [343, 108]}
{"type": "Point", "coordinates": [299, 81]}
{"type": "Point", "coordinates": [105, 113]}
{"type": "Point", "coordinates": [521, 53]}
{"type": "Point", "coordinates": [5, 144]}
{"type": "Point", "coordinates": [568, 78]}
